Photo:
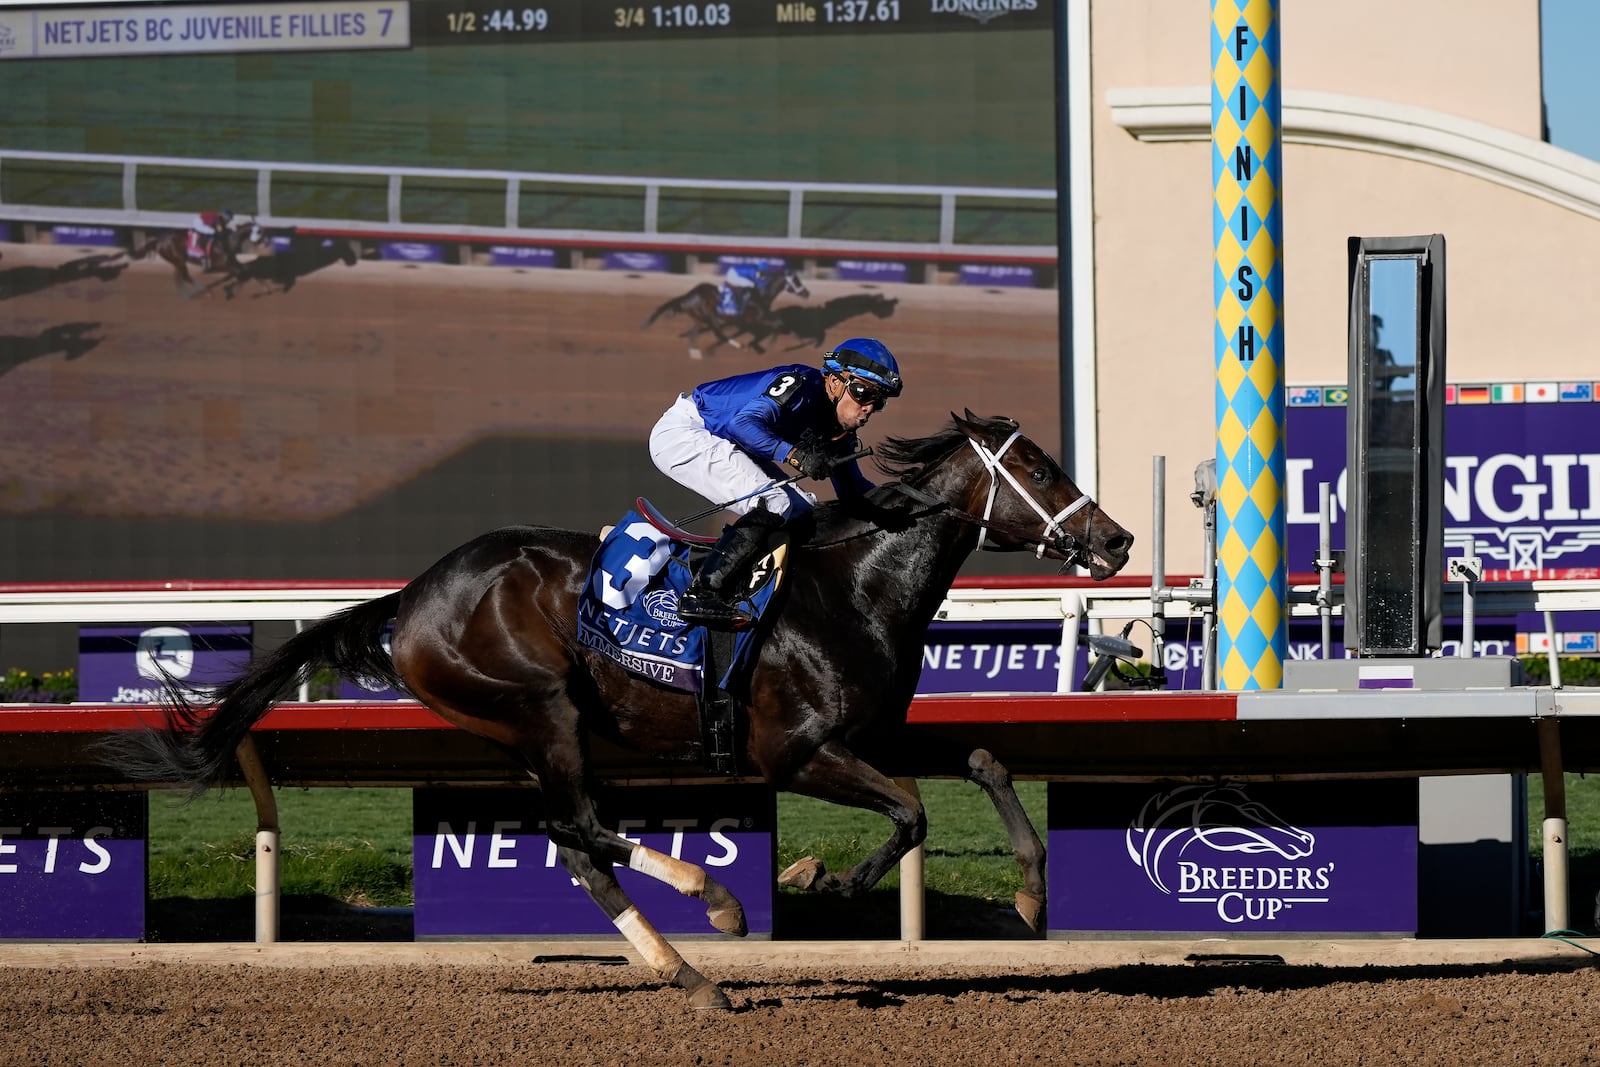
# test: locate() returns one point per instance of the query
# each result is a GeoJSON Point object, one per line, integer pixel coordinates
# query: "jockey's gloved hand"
{"type": "Point", "coordinates": [812, 457]}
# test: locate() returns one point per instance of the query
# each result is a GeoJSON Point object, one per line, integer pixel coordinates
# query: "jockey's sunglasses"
{"type": "Point", "coordinates": [867, 394]}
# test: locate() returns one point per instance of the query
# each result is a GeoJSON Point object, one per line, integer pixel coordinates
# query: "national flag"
{"type": "Point", "coordinates": [1538, 641]}
{"type": "Point", "coordinates": [1305, 396]}
{"type": "Point", "coordinates": [1449, 394]}
{"type": "Point", "coordinates": [1335, 397]}
{"type": "Point", "coordinates": [1506, 393]}
{"type": "Point", "coordinates": [1577, 391]}
{"type": "Point", "coordinates": [1472, 394]}
{"type": "Point", "coordinates": [1541, 393]}
{"type": "Point", "coordinates": [1578, 642]}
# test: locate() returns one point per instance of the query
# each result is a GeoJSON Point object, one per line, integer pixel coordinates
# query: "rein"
{"type": "Point", "coordinates": [1054, 535]}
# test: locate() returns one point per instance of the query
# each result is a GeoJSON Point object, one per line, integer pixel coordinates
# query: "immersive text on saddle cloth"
{"type": "Point", "coordinates": [343, 24]}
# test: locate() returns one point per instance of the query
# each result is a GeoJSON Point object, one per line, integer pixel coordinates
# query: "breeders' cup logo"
{"type": "Point", "coordinates": [1187, 842]}
{"type": "Point", "coordinates": [8, 38]}
{"type": "Point", "coordinates": [164, 652]}
{"type": "Point", "coordinates": [662, 607]}
{"type": "Point", "coordinates": [982, 10]}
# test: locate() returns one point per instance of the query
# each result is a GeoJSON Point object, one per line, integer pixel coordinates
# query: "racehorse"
{"type": "Point", "coordinates": [487, 637]}
{"type": "Point", "coordinates": [756, 319]}
{"type": "Point", "coordinates": [181, 249]}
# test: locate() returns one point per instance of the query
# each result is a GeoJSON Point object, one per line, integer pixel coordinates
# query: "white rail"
{"type": "Point", "coordinates": [511, 184]}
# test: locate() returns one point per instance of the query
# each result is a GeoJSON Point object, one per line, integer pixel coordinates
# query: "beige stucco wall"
{"type": "Point", "coordinates": [1520, 270]}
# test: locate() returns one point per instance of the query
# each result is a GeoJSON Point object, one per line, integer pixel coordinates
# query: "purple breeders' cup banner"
{"type": "Point", "coordinates": [1010, 274]}
{"type": "Point", "coordinates": [5, 231]}
{"type": "Point", "coordinates": [872, 270]}
{"type": "Point", "coordinates": [484, 867]}
{"type": "Point", "coordinates": [1260, 859]}
{"type": "Point", "coordinates": [126, 664]}
{"type": "Point", "coordinates": [991, 657]}
{"type": "Point", "coordinates": [646, 261]}
{"type": "Point", "coordinates": [411, 252]}
{"type": "Point", "coordinates": [521, 256]}
{"type": "Point", "coordinates": [72, 866]}
{"type": "Point", "coordinates": [96, 236]}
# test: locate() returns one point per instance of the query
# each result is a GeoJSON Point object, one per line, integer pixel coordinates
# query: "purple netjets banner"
{"type": "Point", "coordinates": [96, 236]}
{"type": "Point", "coordinates": [72, 866]}
{"type": "Point", "coordinates": [126, 664]}
{"type": "Point", "coordinates": [522, 256]}
{"type": "Point", "coordinates": [872, 270]}
{"type": "Point", "coordinates": [1521, 480]}
{"type": "Point", "coordinates": [1259, 859]}
{"type": "Point", "coordinates": [483, 866]}
{"type": "Point", "coordinates": [1006, 274]}
{"type": "Point", "coordinates": [996, 657]}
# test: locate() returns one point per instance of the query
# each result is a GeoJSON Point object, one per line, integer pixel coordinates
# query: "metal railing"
{"type": "Point", "coordinates": [98, 189]}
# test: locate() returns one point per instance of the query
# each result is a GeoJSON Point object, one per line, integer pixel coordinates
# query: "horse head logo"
{"type": "Point", "coordinates": [662, 606]}
{"type": "Point", "coordinates": [1220, 818]}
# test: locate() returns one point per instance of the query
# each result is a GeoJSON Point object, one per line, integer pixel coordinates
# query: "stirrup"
{"type": "Point", "coordinates": [708, 609]}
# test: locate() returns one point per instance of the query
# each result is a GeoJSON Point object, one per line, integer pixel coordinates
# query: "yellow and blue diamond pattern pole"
{"type": "Point", "coordinates": [1247, 222]}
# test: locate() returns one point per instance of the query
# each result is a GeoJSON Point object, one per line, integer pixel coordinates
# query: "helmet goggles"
{"type": "Point", "coordinates": [867, 394]}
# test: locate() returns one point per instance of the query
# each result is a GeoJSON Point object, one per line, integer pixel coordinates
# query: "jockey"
{"type": "Point", "coordinates": [738, 284]}
{"type": "Point", "coordinates": [729, 439]}
{"type": "Point", "coordinates": [210, 224]}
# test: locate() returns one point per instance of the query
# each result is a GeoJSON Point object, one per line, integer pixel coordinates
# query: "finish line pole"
{"type": "Point", "coordinates": [1247, 224]}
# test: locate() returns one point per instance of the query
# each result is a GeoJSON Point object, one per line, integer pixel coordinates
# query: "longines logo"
{"type": "Point", "coordinates": [982, 10]}
{"type": "Point", "coordinates": [1187, 842]}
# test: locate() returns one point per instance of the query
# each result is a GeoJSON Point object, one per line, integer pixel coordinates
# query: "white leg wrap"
{"type": "Point", "coordinates": [686, 878]}
{"type": "Point", "coordinates": [651, 946]}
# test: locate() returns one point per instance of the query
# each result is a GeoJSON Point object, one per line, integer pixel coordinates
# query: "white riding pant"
{"type": "Point", "coordinates": [718, 469]}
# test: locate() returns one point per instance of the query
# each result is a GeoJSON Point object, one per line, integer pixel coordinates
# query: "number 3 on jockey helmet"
{"type": "Point", "coordinates": [867, 358]}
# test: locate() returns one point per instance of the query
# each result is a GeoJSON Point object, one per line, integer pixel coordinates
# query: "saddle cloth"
{"type": "Point", "coordinates": [195, 247]}
{"type": "Point", "coordinates": [730, 301]}
{"type": "Point", "coordinates": [628, 609]}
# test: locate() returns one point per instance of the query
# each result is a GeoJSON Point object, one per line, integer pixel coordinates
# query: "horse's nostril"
{"type": "Point", "coordinates": [1120, 543]}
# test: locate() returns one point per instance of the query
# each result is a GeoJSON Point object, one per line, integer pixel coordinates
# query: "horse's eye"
{"type": "Point", "coordinates": [1040, 475]}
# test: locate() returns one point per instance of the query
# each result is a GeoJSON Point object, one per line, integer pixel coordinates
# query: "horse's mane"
{"type": "Point", "coordinates": [906, 457]}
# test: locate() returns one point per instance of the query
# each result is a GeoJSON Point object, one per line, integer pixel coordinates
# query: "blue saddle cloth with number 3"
{"type": "Point", "coordinates": [628, 610]}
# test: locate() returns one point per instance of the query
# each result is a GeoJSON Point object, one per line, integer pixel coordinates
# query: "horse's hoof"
{"type": "Point", "coordinates": [723, 909]}
{"type": "Point", "coordinates": [703, 993]}
{"type": "Point", "coordinates": [736, 344]}
{"type": "Point", "coordinates": [802, 874]}
{"type": "Point", "coordinates": [1031, 908]}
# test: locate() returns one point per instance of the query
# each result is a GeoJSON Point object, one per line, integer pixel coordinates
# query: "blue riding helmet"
{"type": "Point", "coordinates": [868, 358]}
{"type": "Point", "coordinates": [225, 215]}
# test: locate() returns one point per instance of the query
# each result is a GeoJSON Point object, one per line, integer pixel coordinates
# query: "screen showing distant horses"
{"type": "Point", "coordinates": [293, 295]}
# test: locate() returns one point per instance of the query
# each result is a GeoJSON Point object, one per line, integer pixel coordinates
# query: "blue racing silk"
{"type": "Point", "coordinates": [767, 412]}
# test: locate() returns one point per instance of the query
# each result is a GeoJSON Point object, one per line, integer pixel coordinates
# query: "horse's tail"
{"type": "Point", "coordinates": [144, 248]}
{"type": "Point", "coordinates": [672, 307]}
{"type": "Point", "coordinates": [196, 744]}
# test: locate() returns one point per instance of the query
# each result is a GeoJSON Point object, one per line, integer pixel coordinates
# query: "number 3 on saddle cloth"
{"type": "Point", "coordinates": [628, 612]}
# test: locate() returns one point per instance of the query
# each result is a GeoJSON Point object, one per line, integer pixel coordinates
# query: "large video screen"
{"type": "Point", "coordinates": [468, 238]}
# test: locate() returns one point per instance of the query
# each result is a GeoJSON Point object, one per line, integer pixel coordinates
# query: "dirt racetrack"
{"type": "Point", "coordinates": [954, 1003]}
{"type": "Point", "coordinates": [124, 399]}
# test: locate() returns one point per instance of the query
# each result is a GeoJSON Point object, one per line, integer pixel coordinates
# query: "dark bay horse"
{"type": "Point", "coordinates": [757, 318]}
{"type": "Point", "coordinates": [179, 248]}
{"type": "Point", "coordinates": [487, 638]}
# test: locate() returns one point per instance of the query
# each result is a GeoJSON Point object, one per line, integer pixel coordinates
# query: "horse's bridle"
{"type": "Point", "coordinates": [1074, 550]}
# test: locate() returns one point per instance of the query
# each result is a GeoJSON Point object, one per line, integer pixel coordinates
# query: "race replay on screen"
{"type": "Point", "coordinates": [62, 32]}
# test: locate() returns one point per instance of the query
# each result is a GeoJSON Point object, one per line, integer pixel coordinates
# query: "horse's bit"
{"type": "Point", "coordinates": [1055, 535]}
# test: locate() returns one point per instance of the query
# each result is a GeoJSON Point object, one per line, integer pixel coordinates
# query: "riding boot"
{"type": "Point", "coordinates": [705, 602]}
